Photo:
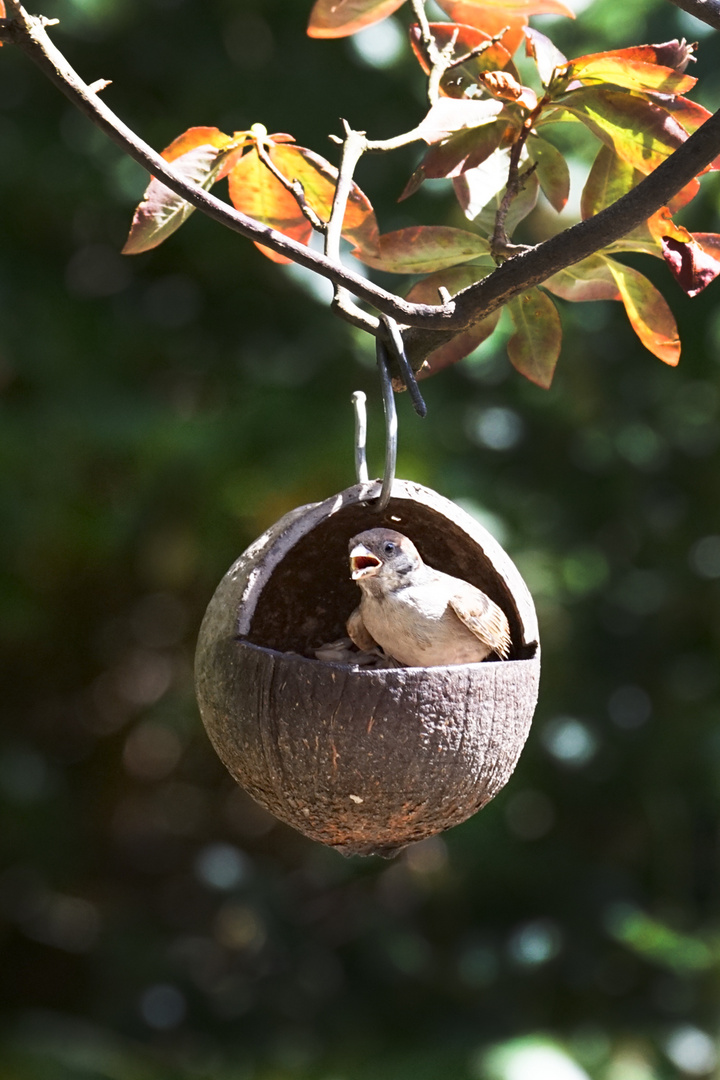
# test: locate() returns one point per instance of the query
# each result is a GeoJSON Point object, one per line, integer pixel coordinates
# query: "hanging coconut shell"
{"type": "Point", "coordinates": [365, 761]}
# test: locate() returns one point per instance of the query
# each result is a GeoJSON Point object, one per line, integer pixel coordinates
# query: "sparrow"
{"type": "Point", "coordinates": [420, 616]}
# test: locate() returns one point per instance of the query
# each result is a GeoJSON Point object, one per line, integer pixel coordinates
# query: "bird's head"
{"type": "Point", "coordinates": [382, 558]}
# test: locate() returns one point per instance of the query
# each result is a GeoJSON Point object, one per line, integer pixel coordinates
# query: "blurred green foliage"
{"type": "Point", "coordinates": [157, 414]}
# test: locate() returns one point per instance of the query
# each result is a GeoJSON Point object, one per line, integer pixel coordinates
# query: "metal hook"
{"type": "Point", "coordinates": [406, 371]}
{"type": "Point", "coordinates": [359, 404]}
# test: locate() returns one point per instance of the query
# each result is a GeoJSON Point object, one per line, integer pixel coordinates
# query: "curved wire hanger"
{"type": "Point", "coordinates": [391, 424]}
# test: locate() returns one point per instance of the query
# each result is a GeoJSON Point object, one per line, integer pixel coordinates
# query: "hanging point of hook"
{"type": "Point", "coordinates": [406, 372]}
{"type": "Point", "coordinates": [359, 405]}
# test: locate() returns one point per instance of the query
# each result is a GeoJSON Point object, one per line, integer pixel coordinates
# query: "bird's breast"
{"type": "Point", "coordinates": [418, 627]}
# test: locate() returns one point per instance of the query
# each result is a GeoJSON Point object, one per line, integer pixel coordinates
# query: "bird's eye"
{"type": "Point", "coordinates": [389, 547]}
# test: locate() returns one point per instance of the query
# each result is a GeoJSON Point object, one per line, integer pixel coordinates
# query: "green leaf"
{"type": "Point", "coordinates": [648, 312]}
{"type": "Point", "coordinates": [552, 171]}
{"type": "Point", "coordinates": [534, 348]}
{"type": "Point", "coordinates": [427, 292]}
{"type": "Point", "coordinates": [423, 249]}
{"type": "Point", "coordinates": [590, 279]}
{"type": "Point", "coordinates": [640, 132]}
{"type": "Point", "coordinates": [340, 18]}
{"type": "Point", "coordinates": [609, 178]}
{"type": "Point", "coordinates": [161, 211]}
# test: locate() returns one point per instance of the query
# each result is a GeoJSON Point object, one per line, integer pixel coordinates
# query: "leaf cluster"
{"type": "Point", "coordinates": [486, 132]}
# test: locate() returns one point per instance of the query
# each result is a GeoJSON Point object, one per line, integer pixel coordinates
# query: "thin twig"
{"type": "Point", "coordinates": [293, 186]}
{"type": "Point", "coordinates": [28, 33]}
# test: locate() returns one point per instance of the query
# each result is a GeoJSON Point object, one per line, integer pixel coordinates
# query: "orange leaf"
{"type": "Point", "coordinates": [255, 191]}
{"type": "Point", "coordinates": [489, 18]}
{"type": "Point", "coordinates": [648, 312]}
{"type": "Point", "coordinates": [340, 18]}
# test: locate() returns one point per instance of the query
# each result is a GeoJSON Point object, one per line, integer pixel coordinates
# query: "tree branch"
{"type": "Point", "coordinates": [707, 11]}
{"type": "Point", "coordinates": [430, 326]}
{"type": "Point", "coordinates": [28, 33]}
{"type": "Point", "coordinates": [535, 265]}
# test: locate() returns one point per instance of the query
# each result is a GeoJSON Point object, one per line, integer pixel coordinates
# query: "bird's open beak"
{"type": "Point", "coordinates": [363, 563]}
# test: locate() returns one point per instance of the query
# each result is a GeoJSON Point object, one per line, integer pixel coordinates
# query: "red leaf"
{"type": "Point", "coordinates": [424, 249]}
{"type": "Point", "coordinates": [340, 18]}
{"type": "Point", "coordinates": [427, 292]}
{"type": "Point", "coordinates": [463, 151]}
{"type": "Point", "coordinates": [693, 264]}
{"type": "Point", "coordinates": [534, 348]}
{"type": "Point", "coordinates": [2, 15]}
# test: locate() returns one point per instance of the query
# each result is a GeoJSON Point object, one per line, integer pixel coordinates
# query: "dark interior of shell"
{"type": "Point", "coordinates": [309, 594]}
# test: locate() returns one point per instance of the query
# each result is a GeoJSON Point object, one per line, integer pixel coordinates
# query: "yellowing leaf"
{"type": "Point", "coordinates": [648, 312]}
{"type": "Point", "coordinates": [340, 18]}
{"type": "Point", "coordinates": [423, 249]}
{"type": "Point", "coordinates": [642, 133]}
{"type": "Point", "coordinates": [427, 292]}
{"type": "Point", "coordinates": [610, 178]}
{"type": "Point", "coordinates": [534, 348]}
{"type": "Point", "coordinates": [618, 70]}
{"type": "Point", "coordinates": [589, 279]}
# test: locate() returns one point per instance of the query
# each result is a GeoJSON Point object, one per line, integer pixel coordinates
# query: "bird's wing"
{"type": "Point", "coordinates": [481, 615]}
{"type": "Point", "coordinates": [358, 633]}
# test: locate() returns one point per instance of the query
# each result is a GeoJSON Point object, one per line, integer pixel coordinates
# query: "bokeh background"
{"type": "Point", "coordinates": [159, 412]}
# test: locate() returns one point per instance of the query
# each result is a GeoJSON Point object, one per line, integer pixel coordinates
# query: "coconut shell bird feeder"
{"type": "Point", "coordinates": [363, 760]}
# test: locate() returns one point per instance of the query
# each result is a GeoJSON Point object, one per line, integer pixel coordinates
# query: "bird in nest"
{"type": "Point", "coordinates": [419, 616]}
